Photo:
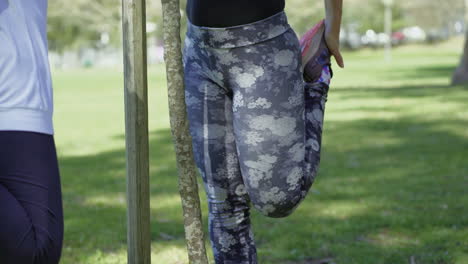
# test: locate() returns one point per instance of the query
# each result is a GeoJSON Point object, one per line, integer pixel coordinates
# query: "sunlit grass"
{"type": "Point", "coordinates": [391, 186]}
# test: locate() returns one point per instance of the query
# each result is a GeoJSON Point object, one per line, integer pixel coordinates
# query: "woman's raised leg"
{"type": "Point", "coordinates": [277, 123]}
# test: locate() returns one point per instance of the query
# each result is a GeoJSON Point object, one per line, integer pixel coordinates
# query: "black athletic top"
{"type": "Point", "coordinates": [226, 13]}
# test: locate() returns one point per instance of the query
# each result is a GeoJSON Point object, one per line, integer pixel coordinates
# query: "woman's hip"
{"type": "Point", "coordinates": [240, 35]}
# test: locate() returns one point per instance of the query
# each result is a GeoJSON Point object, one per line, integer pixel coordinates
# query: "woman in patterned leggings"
{"type": "Point", "coordinates": [255, 122]}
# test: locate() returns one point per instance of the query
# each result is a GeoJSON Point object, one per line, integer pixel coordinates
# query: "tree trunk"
{"type": "Point", "coordinates": [461, 73]}
{"type": "Point", "coordinates": [188, 186]}
{"type": "Point", "coordinates": [460, 76]}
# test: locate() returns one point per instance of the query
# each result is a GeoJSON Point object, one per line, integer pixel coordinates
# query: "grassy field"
{"type": "Point", "coordinates": [392, 186]}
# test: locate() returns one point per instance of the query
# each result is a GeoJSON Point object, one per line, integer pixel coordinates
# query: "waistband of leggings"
{"type": "Point", "coordinates": [240, 35]}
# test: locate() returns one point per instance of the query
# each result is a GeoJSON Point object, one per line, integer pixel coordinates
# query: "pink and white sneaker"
{"type": "Point", "coordinates": [316, 62]}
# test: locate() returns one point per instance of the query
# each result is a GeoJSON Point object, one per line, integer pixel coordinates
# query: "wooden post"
{"type": "Point", "coordinates": [136, 128]}
{"type": "Point", "coordinates": [188, 187]}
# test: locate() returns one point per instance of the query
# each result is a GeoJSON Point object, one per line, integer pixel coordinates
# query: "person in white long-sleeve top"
{"type": "Point", "coordinates": [31, 213]}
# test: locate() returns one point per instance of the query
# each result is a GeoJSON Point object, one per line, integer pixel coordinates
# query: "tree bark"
{"type": "Point", "coordinates": [461, 73]}
{"type": "Point", "coordinates": [460, 76]}
{"type": "Point", "coordinates": [188, 186]}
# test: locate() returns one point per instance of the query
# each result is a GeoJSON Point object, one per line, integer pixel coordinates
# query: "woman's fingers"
{"type": "Point", "coordinates": [338, 58]}
{"type": "Point", "coordinates": [333, 44]}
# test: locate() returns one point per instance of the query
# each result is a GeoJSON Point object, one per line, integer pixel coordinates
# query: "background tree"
{"type": "Point", "coordinates": [72, 24]}
{"type": "Point", "coordinates": [434, 15]}
{"type": "Point", "coordinates": [461, 73]}
{"type": "Point", "coordinates": [80, 23]}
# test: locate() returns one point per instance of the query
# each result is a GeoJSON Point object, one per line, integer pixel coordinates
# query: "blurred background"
{"type": "Point", "coordinates": [393, 180]}
{"type": "Point", "coordinates": [88, 33]}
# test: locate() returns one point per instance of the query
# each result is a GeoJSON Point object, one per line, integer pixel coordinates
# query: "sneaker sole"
{"type": "Point", "coordinates": [310, 42]}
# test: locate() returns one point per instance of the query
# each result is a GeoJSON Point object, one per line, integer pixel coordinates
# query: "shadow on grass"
{"type": "Point", "coordinates": [425, 72]}
{"type": "Point", "coordinates": [386, 191]}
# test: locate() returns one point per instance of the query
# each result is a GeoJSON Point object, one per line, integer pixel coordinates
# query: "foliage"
{"type": "Point", "coordinates": [370, 14]}
{"type": "Point", "coordinates": [434, 13]}
{"type": "Point", "coordinates": [80, 23]}
{"type": "Point", "coordinates": [72, 23]}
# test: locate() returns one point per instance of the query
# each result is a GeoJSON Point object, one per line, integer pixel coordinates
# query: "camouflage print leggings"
{"type": "Point", "coordinates": [255, 124]}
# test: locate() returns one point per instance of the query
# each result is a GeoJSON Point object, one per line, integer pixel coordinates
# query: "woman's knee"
{"type": "Point", "coordinates": [277, 185]}
{"type": "Point", "coordinates": [276, 202]}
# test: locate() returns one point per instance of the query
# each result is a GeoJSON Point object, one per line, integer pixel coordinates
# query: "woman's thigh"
{"type": "Point", "coordinates": [209, 110]}
{"type": "Point", "coordinates": [269, 122]}
{"type": "Point", "coordinates": [31, 222]}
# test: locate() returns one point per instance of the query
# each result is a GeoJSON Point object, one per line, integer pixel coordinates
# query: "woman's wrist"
{"type": "Point", "coordinates": [332, 26]}
{"type": "Point", "coordinates": [333, 13]}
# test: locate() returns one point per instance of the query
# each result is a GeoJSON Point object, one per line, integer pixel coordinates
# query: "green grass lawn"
{"type": "Point", "coordinates": [392, 185]}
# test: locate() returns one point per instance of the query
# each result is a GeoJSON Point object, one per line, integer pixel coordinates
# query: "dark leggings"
{"type": "Point", "coordinates": [256, 126]}
{"type": "Point", "coordinates": [31, 216]}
